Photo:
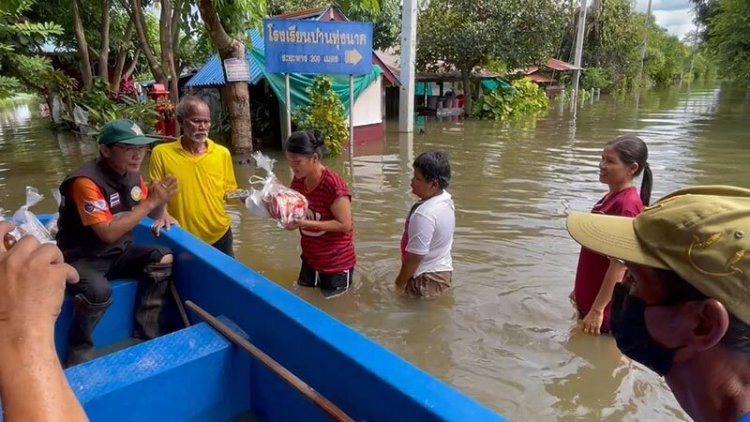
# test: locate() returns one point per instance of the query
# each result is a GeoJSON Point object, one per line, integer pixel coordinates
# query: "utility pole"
{"type": "Point", "coordinates": [643, 47]}
{"type": "Point", "coordinates": [408, 61]}
{"type": "Point", "coordinates": [578, 53]}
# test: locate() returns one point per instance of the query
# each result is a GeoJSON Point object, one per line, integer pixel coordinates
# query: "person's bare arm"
{"type": "Point", "coordinates": [160, 192]}
{"type": "Point", "coordinates": [342, 218]}
{"type": "Point", "coordinates": [409, 265]}
{"type": "Point", "coordinates": [32, 285]}
{"type": "Point", "coordinates": [592, 322]}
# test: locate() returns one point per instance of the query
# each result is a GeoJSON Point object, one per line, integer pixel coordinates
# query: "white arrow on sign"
{"type": "Point", "coordinates": [352, 57]}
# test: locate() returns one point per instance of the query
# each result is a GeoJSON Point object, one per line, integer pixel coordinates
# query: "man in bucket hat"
{"type": "Point", "coordinates": [102, 202]}
{"type": "Point", "coordinates": [686, 315]}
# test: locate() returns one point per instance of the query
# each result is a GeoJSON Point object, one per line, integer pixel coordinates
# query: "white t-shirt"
{"type": "Point", "coordinates": [431, 229]}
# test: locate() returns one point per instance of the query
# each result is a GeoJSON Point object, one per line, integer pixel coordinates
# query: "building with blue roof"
{"type": "Point", "coordinates": [369, 90]}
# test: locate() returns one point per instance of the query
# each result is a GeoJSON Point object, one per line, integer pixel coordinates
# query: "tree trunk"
{"type": "Point", "coordinates": [465, 73]}
{"type": "Point", "coordinates": [83, 48]}
{"type": "Point", "coordinates": [177, 10]}
{"type": "Point", "coordinates": [140, 27]}
{"type": "Point", "coordinates": [104, 48]}
{"type": "Point", "coordinates": [132, 66]}
{"type": "Point", "coordinates": [122, 55]}
{"type": "Point", "coordinates": [166, 42]}
{"type": "Point", "coordinates": [237, 95]}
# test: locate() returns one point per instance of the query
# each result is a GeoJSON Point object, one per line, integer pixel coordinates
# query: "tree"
{"type": "Point", "coordinates": [464, 34]}
{"type": "Point", "coordinates": [169, 30]}
{"type": "Point", "coordinates": [226, 22]}
{"type": "Point", "coordinates": [101, 38]}
{"type": "Point", "coordinates": [666, 56]}
{"type": "Point", "coordinates": [20, 46]}
{"type": "Point", "coordinates": [729, 38]}
{"type": "Point", "coordinates": [612, 42]}
{"type": "Point", "coordinates": [83, 47]}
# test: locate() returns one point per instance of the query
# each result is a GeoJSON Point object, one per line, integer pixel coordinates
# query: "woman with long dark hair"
{"type": "Point", "coordinates": [328, 256]}
{"type": "Point", "coordinates": [623, 159]}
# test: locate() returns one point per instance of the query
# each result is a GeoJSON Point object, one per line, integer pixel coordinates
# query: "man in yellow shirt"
{"type": "Point", "coordinates": [204, 172]}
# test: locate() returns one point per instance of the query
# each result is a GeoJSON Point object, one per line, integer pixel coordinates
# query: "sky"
{"type": "Point", "coordinates": [675, 15]}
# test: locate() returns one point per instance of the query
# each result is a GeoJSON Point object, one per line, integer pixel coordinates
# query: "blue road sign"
{"type": "Point", "coordinates": [300, 46]}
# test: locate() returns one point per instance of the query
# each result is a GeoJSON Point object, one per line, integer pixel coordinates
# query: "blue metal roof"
{"type": "Point", "coordinates": [212, 73]}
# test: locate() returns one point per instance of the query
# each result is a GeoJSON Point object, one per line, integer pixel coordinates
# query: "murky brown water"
{"type": "Point", "coordinates": [505, 334]}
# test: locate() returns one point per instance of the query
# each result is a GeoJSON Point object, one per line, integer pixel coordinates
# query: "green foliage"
{"type": "Point", "coordinates": [9, 87]}
{"type": "Point", "coordinates": [324, 113]}
{"type": "Point", "coordinates": [57, 82]}
{"type": "Point", "coordinates": [17, 34]}
{"type": "Point", "coordinates": [466, 33]}
{"type": "Point", "coordinates": [386, 20]}
{"type": "Point", "coordinates": [101, 108]}
{"type": "Point", "coordinates": [595, 77]}
{"type": "Point", "coordinates": [20, 41]}
{"type": "Point", "coordinates": [524, 99]}
{"type": "Point", "coordinates": [239, 15]}
{"type": "Point", "coordinates": [613, 42]}
{"type": "Point", "coordinates": [729, 38]}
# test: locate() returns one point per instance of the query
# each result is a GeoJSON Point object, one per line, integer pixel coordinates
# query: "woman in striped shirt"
{"type": "Point", "coordinates": [328, 256]}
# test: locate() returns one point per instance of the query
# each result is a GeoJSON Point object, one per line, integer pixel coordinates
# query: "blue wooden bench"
{"type": "Point", "coordinates": [115, 326]}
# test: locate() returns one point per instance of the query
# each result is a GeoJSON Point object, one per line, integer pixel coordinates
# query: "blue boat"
{"type": "Point", "coordinates": [196, 374]}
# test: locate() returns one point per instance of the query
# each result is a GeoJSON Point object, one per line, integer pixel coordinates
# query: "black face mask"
{"type": "Point", "coordinates": [631, 334]}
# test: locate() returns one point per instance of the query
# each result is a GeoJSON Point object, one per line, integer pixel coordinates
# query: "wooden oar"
{"type": "Point", "coordinates": [180, 308]}
{"type": "Point", "coordinates": [307, 391]}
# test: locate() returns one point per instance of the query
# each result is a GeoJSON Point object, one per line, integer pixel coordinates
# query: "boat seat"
{"type": "Point", "coordinates": [115, 326]}
{"type": "Point", "coordinates": [193, 374]}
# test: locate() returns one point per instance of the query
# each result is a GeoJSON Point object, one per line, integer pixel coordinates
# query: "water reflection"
{"type": "Point", "coordinates": [503, 335]}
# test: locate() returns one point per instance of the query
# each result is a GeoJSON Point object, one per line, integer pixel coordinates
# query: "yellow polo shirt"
{"type": "Point", "coordinates": [203, 182]}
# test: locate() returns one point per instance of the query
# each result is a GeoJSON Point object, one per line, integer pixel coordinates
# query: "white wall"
{"type": "Point", "coordinates": [368, 108]}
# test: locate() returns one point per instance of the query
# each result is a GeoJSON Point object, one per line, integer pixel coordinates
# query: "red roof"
{"type": "Point", "coordinates": [389, 66]}
{"type": "Point", "coordinates": [540, 79]}
{"type": "Point", "coordinates": [560, 65]}
{"type": "Point", "coordinates": [303, 14]}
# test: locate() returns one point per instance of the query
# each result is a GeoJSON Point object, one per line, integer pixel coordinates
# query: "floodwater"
{"type": "Point", "coordinates": [506, 334]}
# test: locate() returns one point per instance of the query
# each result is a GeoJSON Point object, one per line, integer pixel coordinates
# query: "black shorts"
{"type": "Point", "coordinates": [308, 277]}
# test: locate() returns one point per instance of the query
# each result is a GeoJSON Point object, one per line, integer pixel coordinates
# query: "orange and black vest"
{"type": "Point", "coordinates": [78, 241]}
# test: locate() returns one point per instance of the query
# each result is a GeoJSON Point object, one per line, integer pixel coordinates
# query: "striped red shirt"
{"type": "Point", "coordinates": [327, 253]}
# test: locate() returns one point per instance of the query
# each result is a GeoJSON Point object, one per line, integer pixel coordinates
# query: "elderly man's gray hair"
{"type": "Point", "coordinates": [183, 107]}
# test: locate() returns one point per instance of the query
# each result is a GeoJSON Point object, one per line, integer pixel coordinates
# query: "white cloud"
{"type": "Point", "coordinates": [674, 15]}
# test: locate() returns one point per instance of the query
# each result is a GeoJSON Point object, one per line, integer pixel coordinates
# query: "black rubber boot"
{"type": "Point", "coordinates": [85, 317]}
{"type": "Point", "coordinates": [151, 300]}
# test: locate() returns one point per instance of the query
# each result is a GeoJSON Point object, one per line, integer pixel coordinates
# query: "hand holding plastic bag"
{"type": "Point", "coordinates": [273, 199]}
{"type": "Point", "coordinates": [27, 223]}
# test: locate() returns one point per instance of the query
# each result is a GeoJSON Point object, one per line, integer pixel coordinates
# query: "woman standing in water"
{"type": "Point", "coordinates": [328, 256]}
{"type": "Point", "coordinates": [623, 159]}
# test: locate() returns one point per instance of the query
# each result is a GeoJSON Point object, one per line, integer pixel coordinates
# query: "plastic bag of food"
{"type": "Point", "coordinates": [27, 223]}
{"type": "Point", "coordinates": [273, 199]}
{"type": "Point", "coordinates": [51, 225]}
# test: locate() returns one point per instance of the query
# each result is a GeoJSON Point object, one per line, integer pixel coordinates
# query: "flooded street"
{"type": "Point", "coordinates": [505, 335]}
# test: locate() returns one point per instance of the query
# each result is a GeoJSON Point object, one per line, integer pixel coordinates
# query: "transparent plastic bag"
{"type": "Point", "coordinates": [51, 225]}
{"type": "Point", "coordinates": [273, 199]}
{"type": "Point", "coordinates": [27, 222]}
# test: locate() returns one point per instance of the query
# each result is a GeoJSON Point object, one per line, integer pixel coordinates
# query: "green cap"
{"type": "Point", "coordinates": [123, 131]}
{"type": "Point", "coordinates": [701, 233]}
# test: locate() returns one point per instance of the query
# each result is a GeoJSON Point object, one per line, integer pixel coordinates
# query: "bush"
{"type": "Point", "coordinates": [324, 113]}
{"type": "Point", "coordinates": [102, 109]}
{"type": "Point", "coordinates": [595, 77]}
{"type": "Point", "coordinates": [525, 98]}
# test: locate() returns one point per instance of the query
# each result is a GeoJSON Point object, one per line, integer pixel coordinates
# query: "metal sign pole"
{"type": "Point", "coordinates": [351, 118]}
{"type": "Point", "coordinates": [287, 98]}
